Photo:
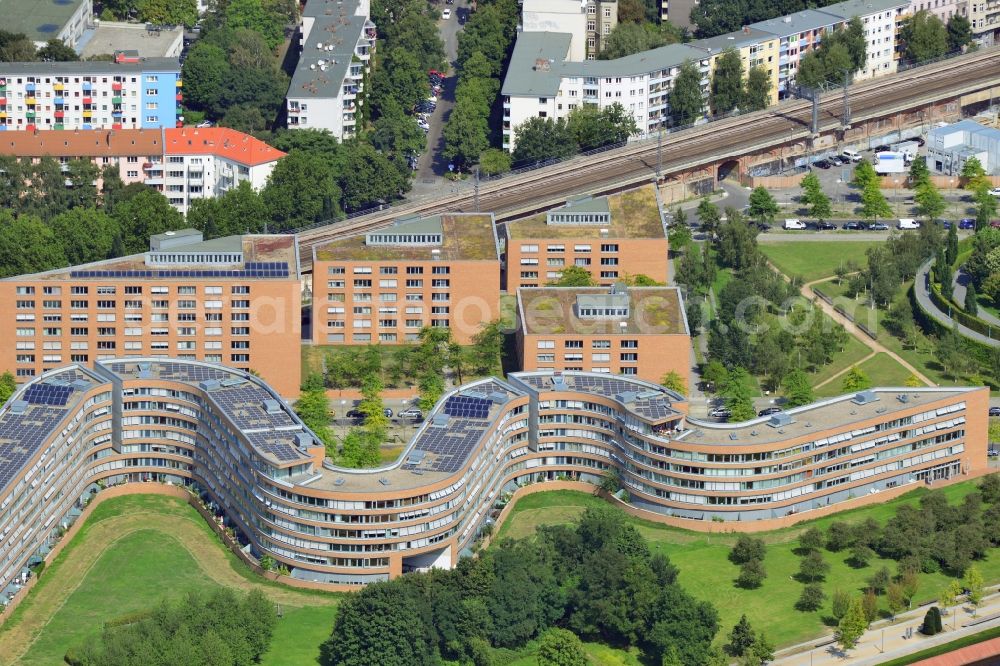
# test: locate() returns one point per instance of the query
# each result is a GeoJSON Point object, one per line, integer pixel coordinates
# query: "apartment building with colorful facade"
{"type": "Point", "coordinates": [385, 285]}
{"type": "Point", "coordinates": [614, 238]}
{"type": "Point", "coordinates": [184, 164]}
{"type": "Point", "coordinates": [128, 93]}
{"type": "Point", "coordinates": [336, 39]}
{"type": "Point", "coordinates": [231, 438]}
{"type": "Point", "coordinates": [233, 300]}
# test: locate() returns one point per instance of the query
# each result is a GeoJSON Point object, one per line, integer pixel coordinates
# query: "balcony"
{"type": "Point", "coordinates": [60, 114]}
{"type": "Point", "coordinates": [29, 87]}
{"type": "Point", "coordinates": [87, 113]}
{"type": "Point", "coordinates": [59, 101]}
{"type": "Point", "coordinates": [30, 100]}
{"type": "Point", "coordinates": [30, 115]}
{"type": "Point", "coordinates": [196, 178]}
{"type": "Point", "coordinates": [116, 100]}
{"type": "Point", "coordinates": [59, 87]}
{"type": "Point", "coordinates": [116, 87]}
{"type": "Point", "coordinates": [180, 84]}
{"type": "Point", "coordinates": [179, 97]}
{"type": "Point", "coordinates": [59, 126]}
{"type": "Point", "coordinates": [87, 101]}
{"type": "Point", "coordinates": [116, 112]}
{"type": "Point", "coordinates": [88, 86]}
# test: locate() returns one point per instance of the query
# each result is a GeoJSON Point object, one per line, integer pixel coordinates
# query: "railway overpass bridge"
{"type": "Point", "coordinates": [923, 95]}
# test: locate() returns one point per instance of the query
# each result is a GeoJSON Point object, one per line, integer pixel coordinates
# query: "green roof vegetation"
{"type": "Point", "coordinates": [634, 214]}
{"type": "Point", "coordinates": [467, 237]}
{"type": "Point", "coordinates": [552, 310]}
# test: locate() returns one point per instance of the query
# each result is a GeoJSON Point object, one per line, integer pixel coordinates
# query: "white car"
{"type": "Point", "coordinates": [446, 14]}
{"type": "Point", "coordinates": [794, 224]}
{"type": "Point", "coordinates": [908, 223]}
{"type": "Point", "coordinates": [995, 191]}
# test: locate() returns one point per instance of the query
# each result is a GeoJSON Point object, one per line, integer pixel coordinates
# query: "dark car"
{"type": "Point", "coordinates": [919, 140]}
{"type": "Point", "coordinates": [853, 226]}
{"type": "Point", "coordinates": [387, 412]}
{"type": "Point", "coordinates": [763, 227]}
{"type": "Point", "coordinates": [825, 226]}
{"type": "Point", "coordinates": [881, 149]}
{"type": "Point", "coordinates": [992, 452]}
{"type": "Point", "coordinates": [994, 411]}
{"type": "Point", "coordinates": [768, 411]}
{"type": "Point", "coordinates": [946, 224]}
{"type": "Point", "coordinates": [822, 164]}
{"type": "Point", "coordinates": [878, 226]}
{"type": "Point", "coordinates": [355, 414]}
{"type": "Point", "coordinates": [966, 223]}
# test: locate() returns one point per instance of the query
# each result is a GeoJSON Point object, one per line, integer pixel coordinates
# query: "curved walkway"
{"type": "Point", "coordinates": [850, 327]}
{"type": "Point", "coordinates": [959, 286]}
{"type": "Point", "coordinates": [921, 289]}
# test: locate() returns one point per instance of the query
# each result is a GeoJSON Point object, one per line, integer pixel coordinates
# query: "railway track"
{"type": "Point", "coordinates": [687, 149]}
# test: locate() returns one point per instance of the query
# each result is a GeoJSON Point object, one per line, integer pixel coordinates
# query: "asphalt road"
{"type": "Point", "coordinates": [432, 165]}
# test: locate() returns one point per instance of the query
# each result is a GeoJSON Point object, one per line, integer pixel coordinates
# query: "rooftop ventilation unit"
{"type": "Point", "coordinates": [303, 440]}
{"type": "Point", "coordinates": [81, 384]}
{"type": "Point", "coordinates": [625, 397]}
{"type": "Point", "coordinates": [558, 383]}
{"type": "Point", "coordinates": [415, 457]}
{"type": "Point", "coordinates": [18, 407]}
{"type": "Point", "coordinates": [339, 481]}
{"type": "Point", "coordinates": [498, 397]}
{"type": "Point", "coordinates": [209, 385]}
{"type": "Point", "coordinates": [384, 481]}
{"type": "Point", "coordinates": [733, 436]}
{"type": "Point", "coordinates": [272, 406]}
{"type": "Point", "coordinates": [864, 398]}
{"type": "Point", "coordinates": [232, 381]}
{"type": "Point", "coordinates": [439, 421]}
{"type": "Point", "coordinates": [779, 420]}
{"type": "Point", "coordinates": [903, 398]}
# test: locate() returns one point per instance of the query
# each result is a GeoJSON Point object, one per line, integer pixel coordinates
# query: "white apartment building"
{"type": "Point", "coordinates": [336, 40]}
{"type": "Point", "coordinates": [541, 81]}
{"type": "Point", "coordinates": [943, 9]}
{"type": "Point", "coordinates": [589, 21]}
{"type": "Point", "coordinates": [879, 18]}
{"type": "Point", "coordinates": [985, 18]}
{"type": "Point", "coordinates": [42, 20]}
{"type": "Point", "coordinates": [205, 163]}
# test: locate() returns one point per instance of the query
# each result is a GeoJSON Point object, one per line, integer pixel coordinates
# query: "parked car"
{"type": "Point", "coordinates": [992, 452]}
{"type": "Point", "coordinates": [907, 223]}
{"type": "Point", "coordinates": [994, 411]}
{"type": "Point", "coordinates": [768, 411]}
{"type": "Point", "coordinates": [853, 226]}
{"type": "Point", "coordinates": [794, 223]}
{"type": "Point", "coordinates": [721, 413]}
{"type": "Point", "coordinates": [837, 160]}
{"type": "Point", "coordinates": [945, 224]}
{"type": "Point", "coordinates": [823, 225]}
{"type": "Point", "coordinates": [878, 226]}
{"type": "Point", "coordinates": [387, 412]}
{"type": "Point", "coordinates": [821, 164]}
{"type": "Point", "coordinates": [966, 223]}
{"type": "Point", "coordinates": [446, 14]}
{"type": "Point", "coordinates": [849, 155]}
{"type": "Point", "coordinates": [995, 191]}
{"type": "Point", "coordinates": [411, 413]}
{"type": "Point", "coordinates": [881, 149]}
{"type": "Point", "coordinates": [355, 414]}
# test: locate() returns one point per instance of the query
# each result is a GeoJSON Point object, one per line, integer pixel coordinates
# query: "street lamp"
{"type": "Point", "coordinates": [837, 192]}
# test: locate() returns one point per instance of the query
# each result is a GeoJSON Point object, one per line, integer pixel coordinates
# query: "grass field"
{"type": "Point", "coordinates": [814, 260]}
{"type": "Point", "coordinates": [133, 552]}
{"type": "Point", "coordinates": [882, 370]}
{"type": "Point", "coordinates": [706, 571]}
{"type": "Point", "coordinates": [852, 353]}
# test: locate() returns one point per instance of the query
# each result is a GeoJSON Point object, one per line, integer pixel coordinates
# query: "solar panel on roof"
{"type": "Point", "coordinates": [45, 394]}
{"type": "Point", "coordinates": [464, 406]}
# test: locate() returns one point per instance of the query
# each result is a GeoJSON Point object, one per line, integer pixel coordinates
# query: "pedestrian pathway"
{"type": "Point", "coordinates": [921, 289]}
{"type": "Point", "coordinates": [889, 639]}
{"type": "Point", "coordinates": [850, 327]}
{"type": "Point", "coordinates": [959, 286]}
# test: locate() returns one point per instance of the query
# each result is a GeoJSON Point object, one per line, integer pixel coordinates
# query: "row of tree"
{"type": "Point", "coordinates": [18, 47]}
{"type": "Point", "coordinates": [219, 627]}
{"type": "Point", "coordinates": [596, 579]}
{"type": "Point", "coordinates": [484, 47]}
{"type": "Point", "coordinates": [585, 128]}
{"type": "Point", "coordinates": [159, 12]}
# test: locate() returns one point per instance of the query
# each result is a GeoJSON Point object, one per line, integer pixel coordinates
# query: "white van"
{"type": "Point", "coordinates": [851, 155]}
{"type": "Point", "coordinates": [794, 224]}
{"type": "Point", "coordinates": [908, 223]}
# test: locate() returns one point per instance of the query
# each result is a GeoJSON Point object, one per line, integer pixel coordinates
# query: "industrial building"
{"type": "Point", "coordinates": [949, 147]}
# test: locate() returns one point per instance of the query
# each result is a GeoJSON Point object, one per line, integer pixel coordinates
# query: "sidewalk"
{"type": "Point", "coordinates": [921, 289]}
{"type": "Point", "coordinates": [886, 641]}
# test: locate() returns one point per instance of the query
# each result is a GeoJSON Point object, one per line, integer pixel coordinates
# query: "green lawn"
{"type": "Point", "coordinates": [882, 370]}
{"type": "Point", "coordinates": [706, 571]}
{"type": "Point", "coordinates": [853, 352]}
{"type": "Point", "coordinates": [162, 552]}
{"type": "Point", "coordinates": [813, 260]}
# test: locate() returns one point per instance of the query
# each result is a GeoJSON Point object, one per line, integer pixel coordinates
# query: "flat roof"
{"type": "Point", "coordinates": [90, 67]}
{"type": "Point", "coordinates": [634, 214]}
{"type": "Point", "coordinates": [39, 20]}
{"type": "Point", "coordinates": [552, 311]}
{"type": "Point", "coordinates": [828, 416]}
{"type": "Point", "coordinates": [257, 248]}
{"type": "Point", "coordinates": [111, 36]}
{"type": "Point", "coordinates": [801, 21]}
{"type": "Point", "coordinates": [851, 8]}
{"type": "Point", "coordinates": [735, 40]}
{"type": "Point", "coordinates": [466, 237]}
{"type": "Point", "coordinates": [650, 401]}
{"type": "Point", "coordinates": [321, 71]}
{"type": "Point", "coordinates": [536, 64]}
{"type": "Point", "coordinates": [28, 420]}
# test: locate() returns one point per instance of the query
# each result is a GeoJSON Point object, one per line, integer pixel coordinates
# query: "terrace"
{"type": "Point", "coordinates": [634, 214]}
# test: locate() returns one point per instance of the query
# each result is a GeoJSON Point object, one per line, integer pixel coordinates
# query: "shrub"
{"type": "Point", "coordinates": [932, 622]}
